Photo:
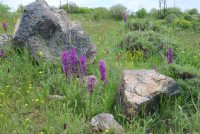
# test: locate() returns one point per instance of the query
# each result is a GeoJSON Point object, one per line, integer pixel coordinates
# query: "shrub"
{"type": "Point", "coordinates": [148, 42]}
{"type": "Point", "coordinates": [193, 11]}
{"type": "Point", "coordinates": [196, 26]}
{"type": "Point", "coordinates": [20, 9]}
{"type": "Point", "coordinates": [175, 11]}
{"type": "Point", "coordinates": [118, 11]}
{"type": "Point", "coordinates": [142, 13]}
{"type": "Point", "coordinates": [153, 13]}
{"type": "Point", "coordinates": [101, 13]}
{"type": "Point", "coordinates": [73, 8]}
{"type": "Point", "coordinates": [142, 25]}
{"type": "Point", "coordinates": [184, 24]}
{"type": "Point", "coordinates": [171, 18]}
{"type": "Point", "coordinates": [188, 17]}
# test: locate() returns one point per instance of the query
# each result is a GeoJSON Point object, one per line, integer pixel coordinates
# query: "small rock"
{"type": "Point", "coordinates": [56, 97]}
{"type": "Point", "coordinates": [105, 122]}
{"type": "Point", "coordinates": [4, 39]}
{"type": "Point", "coordinates": [141, 89]}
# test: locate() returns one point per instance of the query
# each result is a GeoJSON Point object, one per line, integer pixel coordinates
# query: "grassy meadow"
{"type": "Point", "coordinates": [25, 86]}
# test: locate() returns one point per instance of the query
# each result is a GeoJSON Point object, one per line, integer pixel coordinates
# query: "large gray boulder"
{"type": "Point", "coordinates": [142, 89]}
{"type": "Point", "coordinates": [105, 123]}
{"type": "Point", "coordinates": [45, 30]}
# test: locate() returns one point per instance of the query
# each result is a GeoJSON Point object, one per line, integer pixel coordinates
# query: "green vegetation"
{"type": "Point", "coordinates": [25, 86]}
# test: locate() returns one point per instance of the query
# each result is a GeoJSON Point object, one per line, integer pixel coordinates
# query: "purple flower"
{"type": "Point", "coordinates": [65, 63]}
{"type": "Point", "coordinates": [4, 25]}
{"type": "Point", "coordinates": [125, 18]}
{"type": "Point", "coordinates": [73, 61]}
{"type": "Point", "coordinates": [102, 68]}
{"type": "Point", "coordinates": [91, 83]}
{"type": "Point", "coordinates": [170, 55]}
{"type": "Point", "coordinates": [83, 65]}
{"type": "Point", "coordinates": [2, 53]}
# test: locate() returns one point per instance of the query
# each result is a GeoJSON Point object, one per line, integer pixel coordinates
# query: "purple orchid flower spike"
{"type": "Point", "coordinates": [83, 61]}
{"type": "Point", "coordinates": [65, 63]}
{"type": "Point", "coordinates": [102, 68]}
{"type": "Point", "coordinates": [4, 26]}
{"type": "Point", "coordinates": [2, 53]}
{"type": "Point", "coordinates": [125, 18]}
{"type": "Point", "coordinates": [170, 56]}
{"type": "Point", "coordinates": [73, 62]}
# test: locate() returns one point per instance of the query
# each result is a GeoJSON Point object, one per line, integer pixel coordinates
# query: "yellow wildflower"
{"type": "Point", "coordinates": [1, 93]}
{"type": "Point", "coordinates": [40, 72]}
{"type": "Point", "coordinates": [40, 53]}
{"type": "Point", "coordinates": [27, 119]}
{"type": "Point", "coordinates": [106, 130]}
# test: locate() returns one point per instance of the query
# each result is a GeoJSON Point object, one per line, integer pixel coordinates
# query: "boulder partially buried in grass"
{"type": "Point", "coordinates": [141, 89]}
{"type": "Point", "coordinates": [105, 123]}
{"type": "Point", "coordinates": [47, 31]}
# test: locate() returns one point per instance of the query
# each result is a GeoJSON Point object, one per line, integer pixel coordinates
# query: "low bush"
{"type": "Point", "coordinates": [182, 23]}
{"type": "Point", "coordinates": [142, 25]}
{"type": "Point", "coordinates": [171, 18]}
{"type": "Point", "coordinates": [73, 8]}
{"type": "Point", "coordinates": [193, 11]}
{"type": "Point", "coordinates": [142, 13]}
{"type": "Point", "coordinates": [101, 13]}
{"type": "Point", "coordinates": [148, 42]}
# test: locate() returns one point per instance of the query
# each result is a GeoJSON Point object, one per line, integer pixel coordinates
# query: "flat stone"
{"type": "Point", "coordinates": [56, 97]}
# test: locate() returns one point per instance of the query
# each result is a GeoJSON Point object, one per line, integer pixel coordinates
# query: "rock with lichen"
{"type": "Point", "coordinates": [49, 30]}
{"type": "Point", "coordinates": [141, 90]}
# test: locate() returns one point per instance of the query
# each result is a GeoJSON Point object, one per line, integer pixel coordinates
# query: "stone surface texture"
{"type": "Point", "coordinates": [48, 30]}
{"type": "Point", "coordinates": [141, 90]}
